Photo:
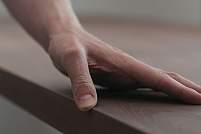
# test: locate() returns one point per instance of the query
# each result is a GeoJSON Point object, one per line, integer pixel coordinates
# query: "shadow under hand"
{"type": "Point", "coordinates": [145, 95]}
{"type": "Point", "coordinates": [136, 95]}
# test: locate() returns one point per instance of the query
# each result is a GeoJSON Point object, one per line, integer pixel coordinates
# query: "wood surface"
{"type": "Point", "coordinates": [45, 93]}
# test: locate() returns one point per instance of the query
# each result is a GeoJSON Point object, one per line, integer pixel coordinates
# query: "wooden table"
{"type": "Point", "coordinates": [28, 78]}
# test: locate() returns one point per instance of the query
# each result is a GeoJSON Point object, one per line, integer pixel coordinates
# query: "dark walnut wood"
{"type": "Point", "coordinates": [34, 84]}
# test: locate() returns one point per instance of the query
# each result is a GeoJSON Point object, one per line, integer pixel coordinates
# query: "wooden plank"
{"type": "Point", "coordinates": [58, 110]}
{"type": "Point", "coordinates": [174, 49]}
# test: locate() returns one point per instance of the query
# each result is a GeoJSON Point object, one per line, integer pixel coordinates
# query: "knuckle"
{"type": "Point", "coordinates": [173, 74]}
{"type": "Point", "coordinates": [162, 80]}
{"type": "Point", "coordinates": [83, 85]}
{"type": "Point", "coordinates": [181, 93]}
{"type": "Point", "coordinates": [62, 48]}
{"type": "Point", "coordinates": [82, 82]}
{"type": "Point", "coordinates": [72, 52]}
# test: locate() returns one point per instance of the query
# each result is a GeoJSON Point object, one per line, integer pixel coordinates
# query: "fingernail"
{"type": "Point", "coordinates": [86, 102]}
{"type": "Point", "coordinates": [86, 97]}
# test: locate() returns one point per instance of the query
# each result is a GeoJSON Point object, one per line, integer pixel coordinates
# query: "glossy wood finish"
{"type": "Point", "coordinates": [171, 48]}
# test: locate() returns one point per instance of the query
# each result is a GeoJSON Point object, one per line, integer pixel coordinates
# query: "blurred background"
{"type": "Point", "coordinates": [14, 120]}
{"type": "Point", "coordinates": [171, 11]}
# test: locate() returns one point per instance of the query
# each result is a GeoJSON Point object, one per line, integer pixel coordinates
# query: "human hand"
{"type": "Point", "coordinates": [88, 61]}
{"type": "Point", "coordinates": [83, 57]}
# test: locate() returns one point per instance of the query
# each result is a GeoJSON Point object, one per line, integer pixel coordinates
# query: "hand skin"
{"type": "Point", "coordinates": [87, 60]}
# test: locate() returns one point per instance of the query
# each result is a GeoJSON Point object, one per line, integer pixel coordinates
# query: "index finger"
{"type": "Point", "coordinates": [154, 78]}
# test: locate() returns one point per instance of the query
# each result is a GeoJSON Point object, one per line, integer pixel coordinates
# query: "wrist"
{"type": "Point", "coordinates": [56, 26]}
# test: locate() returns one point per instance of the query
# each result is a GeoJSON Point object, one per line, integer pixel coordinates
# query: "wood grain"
{"type": "Point", "coordinates": [45, 93]}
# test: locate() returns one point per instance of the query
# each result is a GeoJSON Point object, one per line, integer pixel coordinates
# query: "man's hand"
{"type": "Point", "coordinates": [88, 61]}
{"type": "Point", "coordinates": [83, 57]}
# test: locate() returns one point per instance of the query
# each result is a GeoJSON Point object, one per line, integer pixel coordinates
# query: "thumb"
{"type": "Point", "coordinates": [76, 65]}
